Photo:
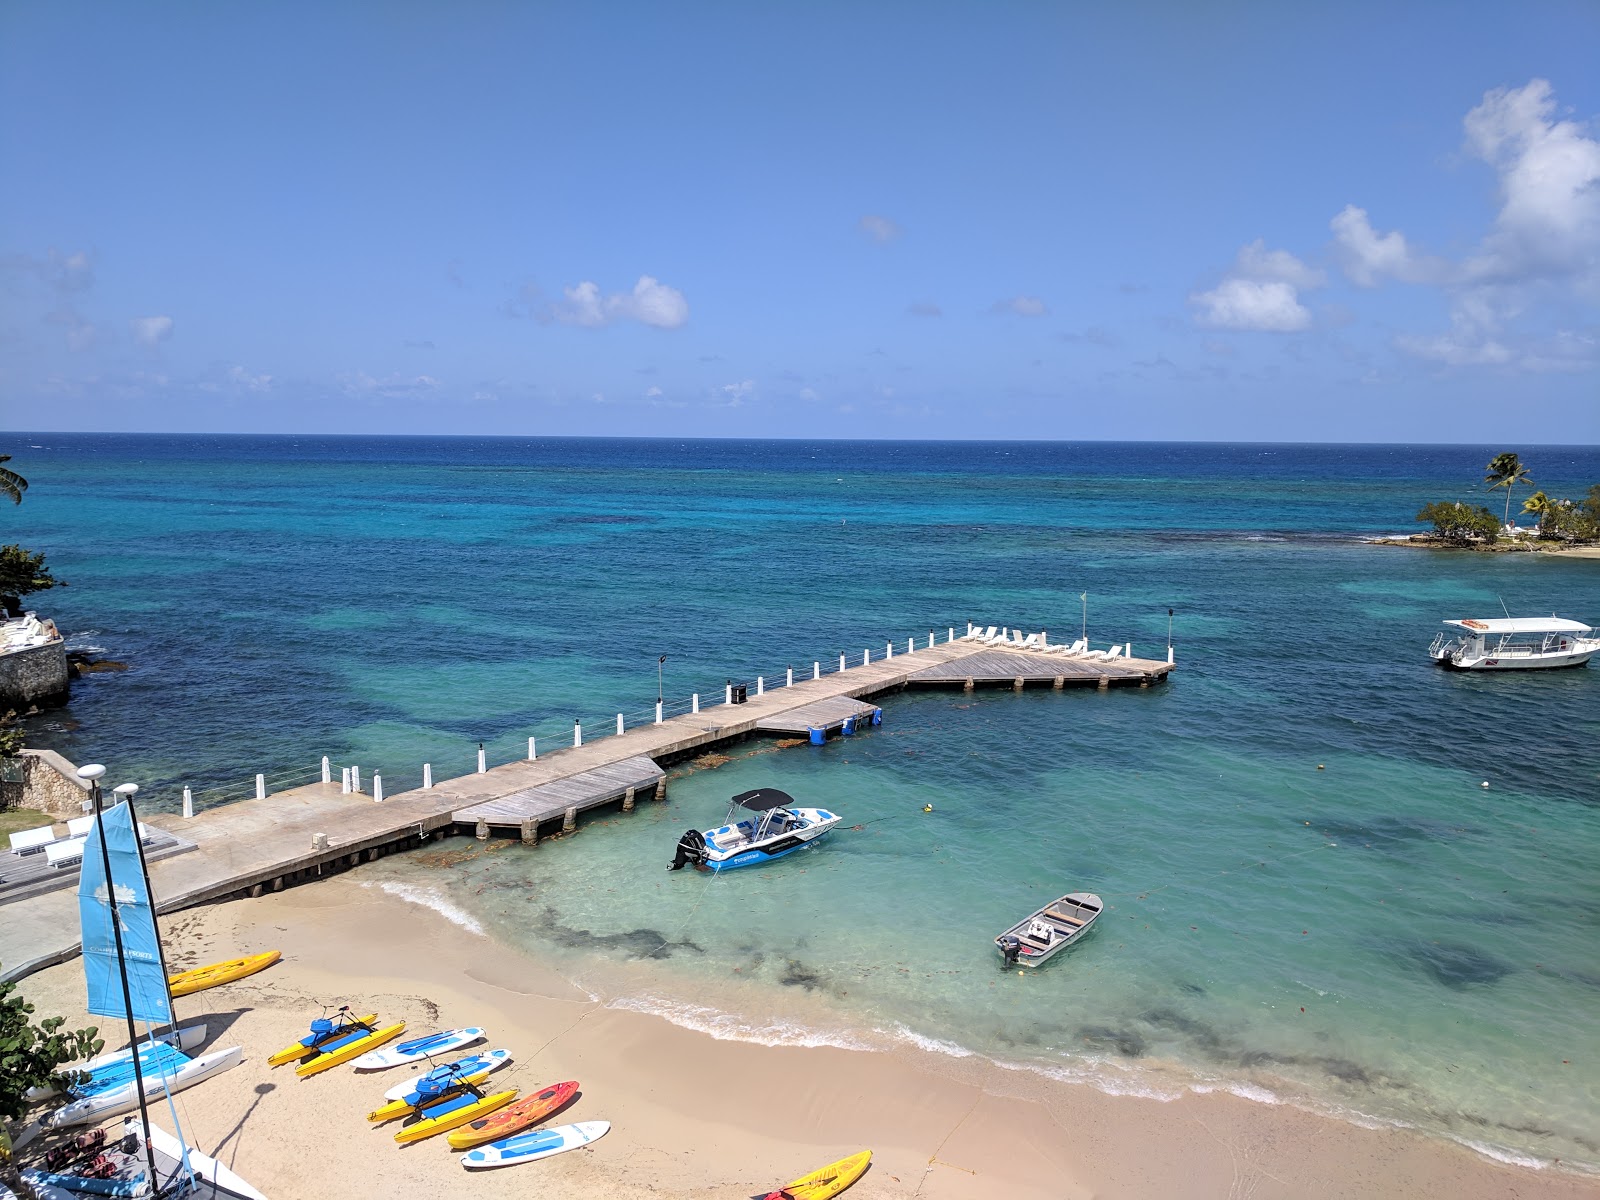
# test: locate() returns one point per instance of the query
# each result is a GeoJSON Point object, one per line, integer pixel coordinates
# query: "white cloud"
{"type": "Point", "coordinates": [809, 395]}
{"type": "Point", "coordinates": [1246, 304]}
{"type": "Point", "coordinates": [151, 331]}
{"type": "Point", "coordinates": [738, 392]}
{"type": "Point", "coordinates": [1368, 255]}
{"type": "Point", "coordinates": [651, 303]}
{"type": "Point", "coordinates": [1021, 306]}
{"type": "Point", "coordinates": [1256, 262]}
{"type": "Point", "coordinates": [395, 386]}
{"type": "Point", "coordinates": [879, 229]}
{"type": "Point", "coordinates": [652, 393]}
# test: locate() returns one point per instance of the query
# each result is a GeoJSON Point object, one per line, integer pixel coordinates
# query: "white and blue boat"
{"type": "Point", "coordinates": [773, 826]}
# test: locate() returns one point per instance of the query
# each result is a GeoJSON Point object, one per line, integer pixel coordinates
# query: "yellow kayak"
{"type": "Point", "coordinates": [827, 1182]}
{"type": "Point", "coordinates": [451, 1114]}
{"type": "Point", "coordinates": [338, 1027]}
{"type": "Point", "coordinates": [343, 1050]}
{"type": "Point", "coordinates": [400, 1108]}
{"type": "Point", "coordinates": [201, 978]}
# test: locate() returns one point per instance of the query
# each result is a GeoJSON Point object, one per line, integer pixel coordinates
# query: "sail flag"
{"type": "Point", "coordinates": [148, 997]}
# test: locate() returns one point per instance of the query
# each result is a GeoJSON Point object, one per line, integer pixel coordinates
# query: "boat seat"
{"type": "Point", "coordinates": [1029, 940]}
{"type": "Point", "coordinates": [1055, 915]}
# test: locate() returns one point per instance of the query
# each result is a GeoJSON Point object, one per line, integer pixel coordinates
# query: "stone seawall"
{"type": "Point", "coordinates": [35, 676]}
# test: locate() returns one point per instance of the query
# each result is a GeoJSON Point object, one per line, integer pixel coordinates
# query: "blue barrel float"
{"type": "Point", "coordinates": [818, 736]}
{"type": "Point", "coordinates": [849, 727]}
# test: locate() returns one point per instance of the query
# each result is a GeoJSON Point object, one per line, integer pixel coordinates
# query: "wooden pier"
{"type": "Point", "coordinates": [289, 837]}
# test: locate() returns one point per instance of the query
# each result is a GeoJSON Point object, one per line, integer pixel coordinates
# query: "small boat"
{"type": "Point", "coordinates": [1046, 933]}
{"type": "Point", "coordinates": [417, 1049]}
{"type": "Point", "coordinates": [1514, 644]}
{"type": "Point", "coordinates": [452, 1110]}
{"type": "Point", "coordinates": [530, 1110]}
{"type": "Point", "coordinates": [353, 1045]}
{"type": "Point", "coordinates": [473, 1069]}
{"type": "Point", "coordinates": [214, 1181]}
{"type": "Point", "coordinates": [119, 1063]}
{"type": "Point", "coordinates": [323, 1031]}
{"type": "Point", "coordinates": [774, 827]}
{"type": "Point", "coordinates": [201, 978]}
{"type": "Point", "coordinates": [113, 1097]}
{"type": "Point", "coordinates": [825, 1182]}
{"type": "Point", "coordinates": [534, 1145]}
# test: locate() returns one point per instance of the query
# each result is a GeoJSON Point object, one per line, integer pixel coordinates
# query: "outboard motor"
{"type": "Point", "coordinates": [1010, 949]}
{"type": "Point", "coordinates": [691, 851]}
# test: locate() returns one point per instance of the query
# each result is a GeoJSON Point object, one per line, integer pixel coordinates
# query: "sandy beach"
{"type": "Point", "coordinates": [695, 1116]}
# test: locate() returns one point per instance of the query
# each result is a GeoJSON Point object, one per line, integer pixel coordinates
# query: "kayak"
{"type": "Point", "coordinates": [449, 1113]}
{"type": "Point", "coordinates": [537, 1144]}
{"type": "Point", "coordinates": [121, 1061]}
{"type": "Point", "coordinates": [418, 1048]}
{"type": "Point", "coordinates": [323, 1029]}
{"type": "Point", "coordinates": [824, 1182]}
{"type": "Point", "coordinates": [201, 978]}
{"type": "Point", "coordinates": [342, 1050]}
{"type": "Point", "coordinates": [530, 1110]}
{"type": "Point", "coordinates": [472, 1068]}
{"type": "Point", "coordinates": [124, 1096]}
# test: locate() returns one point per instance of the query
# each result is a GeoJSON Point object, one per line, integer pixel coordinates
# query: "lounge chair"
{"type": "Point", "coordinates": [79, 826]}
{"type": "Point", "coordinates": [67, 853]}
{"type": "Point", "coordinates": [1031, 642]}
{"type": "Point", "coordinates": [31, 841]}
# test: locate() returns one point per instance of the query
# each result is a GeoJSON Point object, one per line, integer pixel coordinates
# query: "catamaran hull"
{"type": "Point", "coordinates": [126, 1098]}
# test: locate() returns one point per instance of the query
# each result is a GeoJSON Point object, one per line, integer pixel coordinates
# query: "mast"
{"type": "Point", "coordinates": [93, 773]}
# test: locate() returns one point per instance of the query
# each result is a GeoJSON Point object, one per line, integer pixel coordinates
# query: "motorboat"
{"type": "Point", "coordinates": [1514, 644]}
{"type": "Point", "coordinates": [1040, 937]}
{"type": "Point", "coordinates": [771, 826]}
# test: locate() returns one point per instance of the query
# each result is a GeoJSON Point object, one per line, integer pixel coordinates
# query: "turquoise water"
{"type": "Point", "coordinates": [1382, 937]}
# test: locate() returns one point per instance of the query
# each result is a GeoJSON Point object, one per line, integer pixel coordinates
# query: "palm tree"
{"type": "Point", "coordinates": [1503, 471]}
{"type": "Point", "coordinates": [11, 484]}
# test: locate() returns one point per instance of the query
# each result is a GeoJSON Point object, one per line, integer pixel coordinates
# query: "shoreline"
{"type": "Point", "coordinates": [1423, 541]}
{"type": "Point", "coordinates": [694, 1115]}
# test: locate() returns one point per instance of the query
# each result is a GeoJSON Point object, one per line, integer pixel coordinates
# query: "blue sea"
{"type": "Point", "coordinates": [1313, 898]}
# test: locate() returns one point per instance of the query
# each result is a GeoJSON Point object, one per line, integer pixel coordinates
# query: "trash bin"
{"type": "Point", "coordinates": [741, 693]}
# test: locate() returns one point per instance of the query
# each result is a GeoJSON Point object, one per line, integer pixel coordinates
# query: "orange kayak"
{"type": "Point", "coordinates": [530, 1110]}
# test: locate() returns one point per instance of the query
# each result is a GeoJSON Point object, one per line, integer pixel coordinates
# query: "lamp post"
{"type": "Point", "coordinates": [659, 694]}
{"type": "Point", "coordinates": [1084, 632]}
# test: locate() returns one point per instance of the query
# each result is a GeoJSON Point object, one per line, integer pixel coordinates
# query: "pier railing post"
{"type": "Point", "coordinates": [841, 662]}
{"type": "Point", "coordinates": [344, 781]}
{"type": "Point", "coordinates": [577, 733]}
{"type": "Point", "coordinates": [188, 803]}
{"type": "Point", "coordinates": [727, 693]}
{"type": "Point", "coordinates": [377, 788]}
{"type": "Point", "coordinates": [790, 682]}
{"type": "Point", "coordinates": [866, 658]}
{"type": "Point", "coordinates": [483, 764]}
{"type": "Point", "coordinates": [761, 685]}
{"type": "Point", "coordinates": [1127, 650]}
{"type": "Point", "coordinates": [816, 669]}
{"type": "Point", "coordinates": [427, 776]}
{"type": "Point", "coordinates": [694, 703]}
{"type": "Point", "coordinates": [888, 650]}
{"type": "Point", "coordinates": [327, 770]}
{"type": "Point", "coordinates": [1169, 656]}
{"type": "Point", "coordinates": [952, 636]}
{"type": "Point", "coordinates": [355, 779]}
{"type": "Point", "coordinates": [261, 787]}
{"type": "Point", "coordinates": [911, 644]}
{"type": "Point", "coordinates": [658, 712]}
{"type": "Point", "coordinates": [619, 724]}
{"type": "Point", "coordinates": [533, 751]}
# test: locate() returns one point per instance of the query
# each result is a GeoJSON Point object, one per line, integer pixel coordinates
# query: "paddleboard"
{"type": "Point", "coordinates": [201, 978]}
{"type": "Point", "coordinates": [537, 1144]}
{"type": "Point", "coordinates": [473, 1068]}
{"type": "Point", "coordinates": [530, 1110]}
{"type": "Point", "coordinates": [417, 1049]}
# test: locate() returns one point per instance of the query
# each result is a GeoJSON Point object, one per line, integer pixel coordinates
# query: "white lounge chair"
{"type": "Point", "coordinates": [31, 841]}
{"type": "Point", "coordinates": [66, 853]}
{"type": "Point", "coordinates": [1031, 642]}
{"type": "Point", "coordinates": [1079, 647]}
{"type": "Point", "coordinates": [79, 826]}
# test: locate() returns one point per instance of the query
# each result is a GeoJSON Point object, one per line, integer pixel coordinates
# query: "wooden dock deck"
{"type": "Point", "coordinates": [289, 837]}
{"type": "Point", "coordinates": [827, 715]}
{"type": "Point", "coordinates": [27, 875]}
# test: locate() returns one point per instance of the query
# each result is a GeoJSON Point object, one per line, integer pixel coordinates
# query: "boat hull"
{"type": "Point", "coordinates": [819, 822]}
{"type": "Point", "coordinates": [1541, 662]}
{"type": "Point", "coordinates": [125, 1098]}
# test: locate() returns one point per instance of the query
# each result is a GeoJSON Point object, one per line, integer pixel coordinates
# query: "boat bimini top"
{"type": "Point", "coordinates": [1503, 625]}
{"type": "Point", "coordinates": [763, 800]}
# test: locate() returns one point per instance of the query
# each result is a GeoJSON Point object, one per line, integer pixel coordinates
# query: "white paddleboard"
{"type": "Point", "coordinates": [534, 1145]}
{"type": "Point", "coordinates": [417, 1049]}
{"type": "Point", "coordinates": [493, 1059]}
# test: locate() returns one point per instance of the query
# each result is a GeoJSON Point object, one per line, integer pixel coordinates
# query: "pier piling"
{"type": "Point", "coordinates": [569, 821]}
{"type": "Point", "coordinates": [627, 800]}
{"type": "Point", "coordinates": [482, 832]}
{"type": "Point", "coordinates": [530, 833]}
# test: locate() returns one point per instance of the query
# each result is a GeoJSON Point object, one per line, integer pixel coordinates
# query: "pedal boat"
{"type": "Point", "coordinates": [773, 826]}
{"type": "Point", "coordinates": [1038, 938]}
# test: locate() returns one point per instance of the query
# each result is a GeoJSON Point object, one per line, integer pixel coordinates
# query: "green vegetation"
{"type": "Point", "coordinates": [31, 1054]}
{"type": "Point", "coordinates": [21, 573]}
{"type": "Point", "coordinates": [15, 820]}
{"type": "Point", "coordinates": [11, 484]}
{"type": "Point", "coordinates": [1560, 520]}
{"type": "Point", "coordinates": [1461, 524]}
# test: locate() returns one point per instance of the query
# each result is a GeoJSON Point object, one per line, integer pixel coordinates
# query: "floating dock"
{"type": "Point", "coordinates": [304, 833]}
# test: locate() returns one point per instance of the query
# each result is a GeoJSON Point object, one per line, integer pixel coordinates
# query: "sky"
{"type": "Point", "coordinates": [1142, 221]}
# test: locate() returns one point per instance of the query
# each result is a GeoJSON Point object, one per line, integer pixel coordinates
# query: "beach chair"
{"type": "Point", "coordinates": [67, 853]}
{"type": "Point", "coordinates": [986, 635]}
{"type": "Point", "coordinates": [31, 841]}
{"type": "Point", "coordinates": [79, 826]}
{"type": "Point", "coordinates": [1031, 642]}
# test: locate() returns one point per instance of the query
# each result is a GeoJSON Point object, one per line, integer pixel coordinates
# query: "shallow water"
{"type": "Point", "coordinates": [1383, 936]}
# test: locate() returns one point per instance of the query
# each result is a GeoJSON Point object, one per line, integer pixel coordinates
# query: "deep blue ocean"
{"type": "Point", "coordinates": [1383, 937]}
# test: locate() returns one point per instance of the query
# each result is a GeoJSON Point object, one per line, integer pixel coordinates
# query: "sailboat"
{"type": "Point", "coordinates": [127, 977]}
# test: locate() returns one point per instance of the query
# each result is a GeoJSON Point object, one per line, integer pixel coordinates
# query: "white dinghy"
{"type": "Point", "coordinates": [1040, 937]}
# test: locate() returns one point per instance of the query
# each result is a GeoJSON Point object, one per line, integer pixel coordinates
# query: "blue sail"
{"type": "Point", "coordinates": [141, 948]}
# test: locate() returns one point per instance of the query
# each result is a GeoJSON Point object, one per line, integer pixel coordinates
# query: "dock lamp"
{"type": "Point", "coordinates": [1169, 635]}
{"type": "Point", "coordinates": [659, 663]}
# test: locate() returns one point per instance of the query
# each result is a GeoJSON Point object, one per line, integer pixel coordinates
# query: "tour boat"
{"type": "Point", "coordinates": [1514, 644]}
{"type": "Point", "coordinates": [774, 827]}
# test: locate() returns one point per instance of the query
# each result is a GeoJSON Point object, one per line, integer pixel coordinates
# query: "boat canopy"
{"type": "Point", "coordinates": [764, 799]}
{"type": "Point", "coordinates": [1521, 625]}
